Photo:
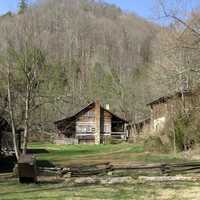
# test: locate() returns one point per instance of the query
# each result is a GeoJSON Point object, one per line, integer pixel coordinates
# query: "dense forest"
{"type": "Point", "coordinates": [56, 56]}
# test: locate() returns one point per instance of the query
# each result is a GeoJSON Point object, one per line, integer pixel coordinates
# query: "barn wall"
{"type": "Point", "coordinates": [164, 111]}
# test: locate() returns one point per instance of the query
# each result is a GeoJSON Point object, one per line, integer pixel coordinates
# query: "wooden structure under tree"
{"type": "Point", "coordinates": [27, 170]}
{"type": "Point", "coordinates": [92, 124]}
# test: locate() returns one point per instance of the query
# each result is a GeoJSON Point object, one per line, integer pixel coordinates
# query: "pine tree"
{"type": "Point", "coordinates": [22, 6]}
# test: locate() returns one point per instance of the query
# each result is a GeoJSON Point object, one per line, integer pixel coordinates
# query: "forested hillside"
{"type": "Point", "coordinates": [86, 49]}
{"type": "Point", "coordinates": [57, 56]}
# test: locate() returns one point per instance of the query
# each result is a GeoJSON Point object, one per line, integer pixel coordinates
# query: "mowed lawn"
{"type": "Point", "coordinates": [62, 155]}
{"type": "Point", "coordinates": [12, 190]}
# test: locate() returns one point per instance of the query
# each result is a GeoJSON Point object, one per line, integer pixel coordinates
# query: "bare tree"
{"type": "Point", "coordinates": [10, 107]}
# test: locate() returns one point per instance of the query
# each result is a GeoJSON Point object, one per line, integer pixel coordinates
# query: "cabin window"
{"type": "Point", "coordinates": [107, 128]}
{"type": "Point", "coordinates": [117, 127]}
{"type": "Point", "coordinates": [84, 128]}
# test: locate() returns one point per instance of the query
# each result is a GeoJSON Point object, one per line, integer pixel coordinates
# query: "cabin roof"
{"type": "Point", "coordinates": [164, 99]}
{"type": "Point", "coordinates": [84, 110]}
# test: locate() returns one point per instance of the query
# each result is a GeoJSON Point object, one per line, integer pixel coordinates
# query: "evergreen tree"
{"type": "Point", "coordinates": [22, 6]}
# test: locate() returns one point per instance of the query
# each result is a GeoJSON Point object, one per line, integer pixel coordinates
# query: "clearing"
{"type": "Point", "coordinates": [62, 155]}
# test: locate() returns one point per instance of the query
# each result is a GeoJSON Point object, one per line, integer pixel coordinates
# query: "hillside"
{"type": "Point", "coordinates": [91, 49]}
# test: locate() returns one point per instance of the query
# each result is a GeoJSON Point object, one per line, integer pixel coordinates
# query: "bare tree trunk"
{"type": "Point", "coordinates": [27, 106]}
{"type": "Point", "coordinates": [174, 138]}
{"type": "Point", "coordinates": [12, 117]}
{"type": "Point", "coordinates": [174, 134]}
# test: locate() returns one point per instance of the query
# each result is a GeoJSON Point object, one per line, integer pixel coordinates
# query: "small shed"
{"type": "Point", "coordinates": [27, 170]}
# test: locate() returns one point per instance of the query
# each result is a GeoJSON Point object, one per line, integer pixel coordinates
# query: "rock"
{"type": "Point", "coordinates": [99, 180]}
{"type": "Point", "coordinates": [67, 175]}
{"type": "Point", "coordinates": [110, 173]}
{"type": "Point", "coordinates": [116, 180]}
{"type": "Point", "coordinates": [86, 180]}
{"type": "Point", "coordinates": [168, 178]}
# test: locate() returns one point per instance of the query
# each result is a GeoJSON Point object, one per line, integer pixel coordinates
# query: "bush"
{"type": "Point", "coordinates": [155, 144]}
{"type": "Point", "coordinates": [186, 131]}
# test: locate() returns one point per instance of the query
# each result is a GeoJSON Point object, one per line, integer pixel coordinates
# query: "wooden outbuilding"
{"type": "Point", "coordinates": [93, 124]}
{"type": "Point", "coordinates": [27, 170]}
{"type": "Point", "coordinates": [165, 108]}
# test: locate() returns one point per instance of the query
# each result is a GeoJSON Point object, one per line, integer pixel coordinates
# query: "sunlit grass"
{"type": "Point", "coordinates": [84, 154]}
{"type": "Point", "coordinates": [12, 190]}
{"type": "Point", "coordinates": [63, 155]}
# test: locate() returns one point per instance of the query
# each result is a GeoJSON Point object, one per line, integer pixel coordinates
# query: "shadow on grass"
{"type": "Point", "coordinates": [37, 151]}
{"type": "Point", "coordinates": [34, 189]}
{"type": "Point", "coordinates": [44, 163]}
{"type": "Point", "coordinates": [7, 163]}
{"type": "Point", "coordinates": [40, 197]}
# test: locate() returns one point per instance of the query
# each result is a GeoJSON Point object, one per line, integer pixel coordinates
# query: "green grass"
{"type": "Point", "coordinates": [11, 190]}
{"type": "Point", "coordinates": [64, 155]}
{"type": "Point", "coordinates": [88, 154]}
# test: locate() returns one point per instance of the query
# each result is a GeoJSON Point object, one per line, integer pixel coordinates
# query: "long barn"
{"type": "Point", "coordinates": [93, 124]}
{"type": "Point", "coordinates": [164, 109]}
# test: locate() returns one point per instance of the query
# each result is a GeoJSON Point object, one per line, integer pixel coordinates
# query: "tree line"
{"type": "Point", "coordinates": [56, 56]}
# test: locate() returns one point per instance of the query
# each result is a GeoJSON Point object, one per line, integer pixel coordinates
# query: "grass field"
{"type": "Point", "coordinates": [11, 190]}
{"type": "Point", "coordinates": [88, 154]}
{"type": "Point", "coordinates": [62, 155]}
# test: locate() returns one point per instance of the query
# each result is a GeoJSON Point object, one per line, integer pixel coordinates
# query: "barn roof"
{"type": "Point", "coordinates": [84, 110]}
{"type": "Point", "coordinates": [164, 99]}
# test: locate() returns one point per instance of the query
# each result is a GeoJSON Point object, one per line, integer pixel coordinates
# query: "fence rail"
{"type": "Point", "coordinates": [164, 169]}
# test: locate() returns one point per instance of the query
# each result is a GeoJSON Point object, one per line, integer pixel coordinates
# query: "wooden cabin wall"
{"type": "Point", "coordinates": [85, 126]}
{"type": "Point", "coordinates": [106, 122]}
{"type": "Point", "coordinates": [158, 116]}
{"type": "Point", "coordinates": [165, 111]}
{"type": "Point", "coordinates": [86, 122]}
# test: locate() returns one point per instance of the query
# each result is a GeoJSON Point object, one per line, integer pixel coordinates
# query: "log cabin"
{"type": "Point", "coordinates": [93, 124]}
{"type": "Point", "coordinates": [164, 108]}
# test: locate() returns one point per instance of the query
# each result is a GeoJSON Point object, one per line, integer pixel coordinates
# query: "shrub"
{"type": "Point", "coordinates": [155, 144]}
{"type": "Point", "coordinates": [185, 131]}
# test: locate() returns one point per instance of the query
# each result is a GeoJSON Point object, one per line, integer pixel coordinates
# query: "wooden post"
{"type": "Point", "coordinates": [97, 121]}
{"type": "Point", "coordinates": [152, 120]}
